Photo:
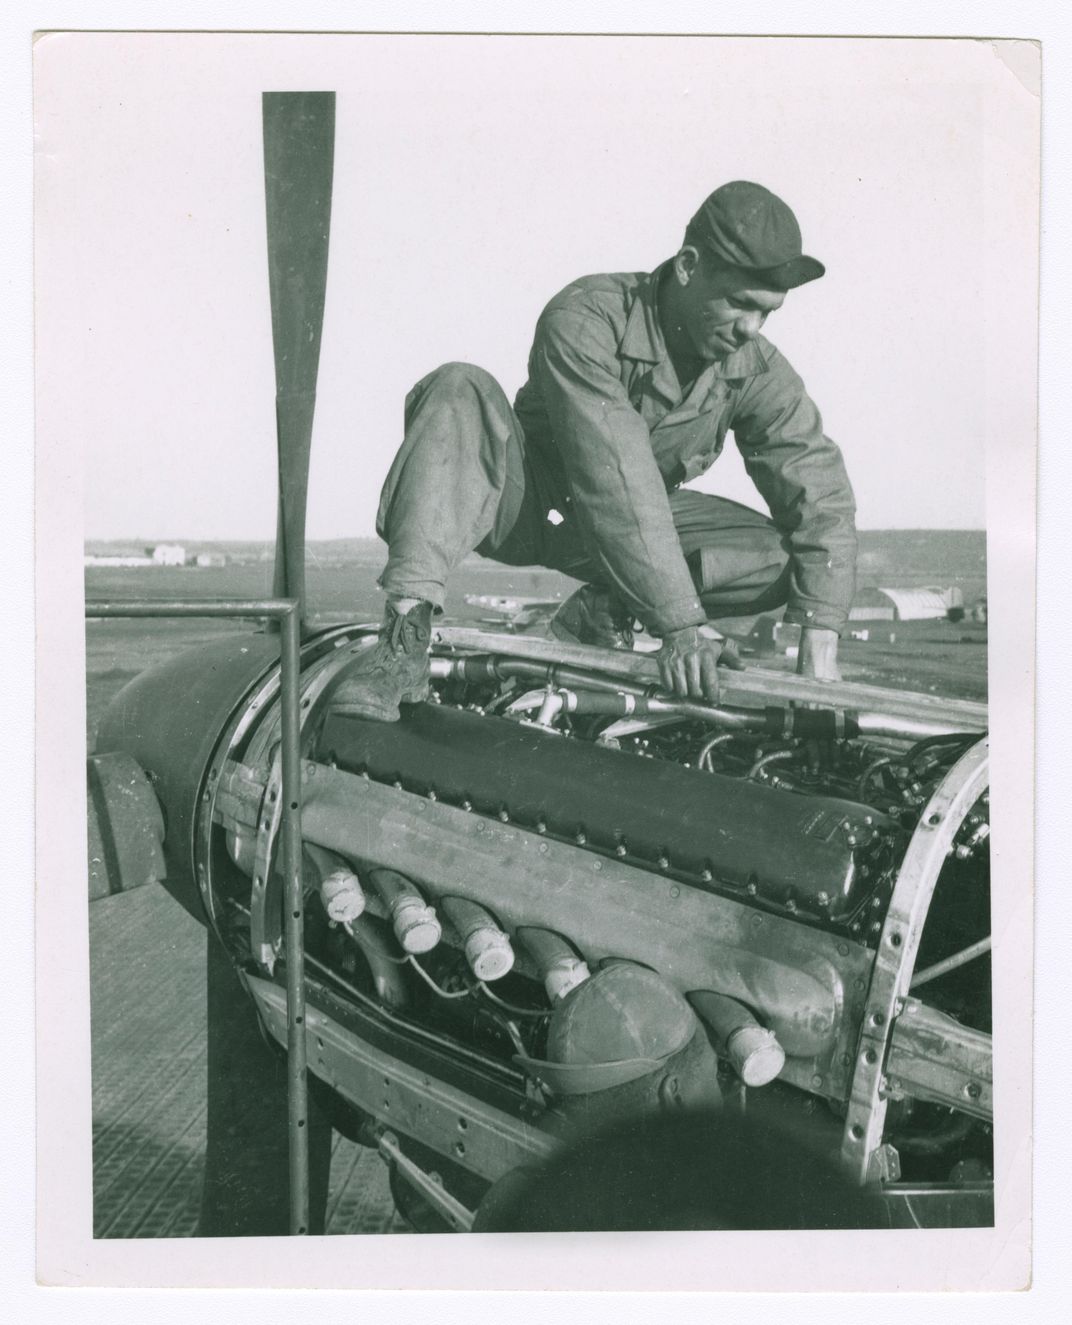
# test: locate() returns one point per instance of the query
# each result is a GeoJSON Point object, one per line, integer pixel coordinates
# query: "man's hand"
{"type": "Point", "coordinates": [689, 660]}
{"type": "Point", "coordinates": [818, 655]}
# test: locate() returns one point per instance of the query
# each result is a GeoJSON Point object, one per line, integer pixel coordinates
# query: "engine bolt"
{"type": "Point", "coordinates": [504, 816]}
{"type": "Point", "coordinates": [620, 849]}
{"type": "Point", "coordinates": [664, 863]}
{"type": "Point", "coordinates": [467, 805]}
{"type": "Point", "coordinates": [582, 838]}
{"type": "Point", "coordinates": [823, 899]}
{"type": "Point", "coordinates": [791, 907]}
{"type": "Point", "coordinates": [706, 876]}
{"type": "Point", "coordinates": [432, 796]}
{"type": "Point", "coordinates": [675, 891]}
{"type": "Point", "coordinates": [541, 827]}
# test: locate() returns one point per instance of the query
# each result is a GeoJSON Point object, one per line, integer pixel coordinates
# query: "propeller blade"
{"type": "Point", "coordinates": [299, 144]}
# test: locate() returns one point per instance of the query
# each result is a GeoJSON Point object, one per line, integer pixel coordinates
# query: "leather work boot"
{"type": "Point", "coordinates": [394, 671]}
{"type": "Point", "coordinates": [593, 616]}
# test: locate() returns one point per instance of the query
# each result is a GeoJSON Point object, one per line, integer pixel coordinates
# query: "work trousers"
{"type": "Point", "coordinates": [464, 479]}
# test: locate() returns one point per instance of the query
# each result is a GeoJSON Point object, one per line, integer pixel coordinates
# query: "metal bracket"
{"type": "Point", "coordinates": [430, 1186]}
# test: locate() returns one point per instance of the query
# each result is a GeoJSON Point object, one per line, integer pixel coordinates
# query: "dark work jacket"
{"type": "Point", "coordinates": [604, 418]}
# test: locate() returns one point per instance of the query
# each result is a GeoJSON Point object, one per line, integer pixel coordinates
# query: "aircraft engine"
{"type": "Point", "coordinates": [548, 899]}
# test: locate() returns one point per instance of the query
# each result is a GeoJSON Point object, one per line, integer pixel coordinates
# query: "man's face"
{"type": "Point", "coordinates": [720, 309]}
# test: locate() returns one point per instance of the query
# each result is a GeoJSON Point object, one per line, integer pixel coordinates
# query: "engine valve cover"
{"type": "Point", "coordinates": [717, 832]}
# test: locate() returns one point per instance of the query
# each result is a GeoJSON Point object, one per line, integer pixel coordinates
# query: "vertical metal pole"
{"type": "Point", "coordinates": [287, 611]}
{"type": "Point", "coordinates": [295, 935]}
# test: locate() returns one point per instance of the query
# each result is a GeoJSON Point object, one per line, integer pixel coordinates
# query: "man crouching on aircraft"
{"type": "Point", "coordinates": [634, 381]}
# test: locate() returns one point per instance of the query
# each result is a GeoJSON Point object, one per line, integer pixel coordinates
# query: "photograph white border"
{"type": "Point", "coordinates": [63, 1006]}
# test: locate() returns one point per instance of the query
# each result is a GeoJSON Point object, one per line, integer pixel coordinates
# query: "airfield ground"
{"type": "Point", "coordinates": [147, 955]}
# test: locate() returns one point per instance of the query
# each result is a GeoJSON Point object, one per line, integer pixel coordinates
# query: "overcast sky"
{"type": "Point", "coordinates": [474, 177]}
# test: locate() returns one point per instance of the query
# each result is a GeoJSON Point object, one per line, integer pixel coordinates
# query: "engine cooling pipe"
{"type": "Point", "coordinates": [584, 694]}
{"type": "Point", "coordinates": [752, 1051]}
{"type": "Point", "coordinates": [819, 724]}
{"type": "Point", "coordinates": [559, 966]}
{"type": "Point", "coordinates": [415, 923]}
{"type": "Point", "coordinates": [487, 948]}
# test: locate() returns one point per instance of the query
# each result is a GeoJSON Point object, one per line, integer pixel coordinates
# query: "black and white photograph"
{"type": "Point", "coordinates": [550, 519]}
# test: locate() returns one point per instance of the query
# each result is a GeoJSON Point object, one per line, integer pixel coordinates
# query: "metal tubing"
{"type": "Point", "coordinates": [286, 612]}
{"type": "Point", "coordinates": [953, 963]}
{"type": "Point", "coordinates": [297, 1102]}
{"type": "Point", "coordinates": [272, 608]}
{"type": "Point", "coordinates": [703, 759]}
{"type": "Point", "coordinates": [755, 683]}
{"type": "Point", "coordinates": [775, 757]}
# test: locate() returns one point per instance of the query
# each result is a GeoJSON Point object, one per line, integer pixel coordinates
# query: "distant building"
{"type": "Point", "coordinates": [928, 604]}
{"type": "Point", "coordinates": [168, 554]}
{"type": "Point", "coordinates": [872, 605]}
{"type": "Point", "coordinates": [91, 560]}
{"type": "Point", "coordinates": [205, 559]}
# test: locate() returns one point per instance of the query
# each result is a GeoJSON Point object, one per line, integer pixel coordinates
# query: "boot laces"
{"type": "Point", "coordinates": [404, 633]}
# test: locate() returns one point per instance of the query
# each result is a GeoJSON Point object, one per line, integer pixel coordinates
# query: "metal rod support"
{"type": "Point", "coordinates": [286, 612]}
{"type": "Point", "coordinates": [953, 963]}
